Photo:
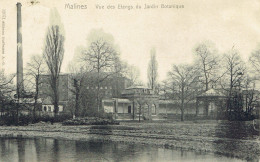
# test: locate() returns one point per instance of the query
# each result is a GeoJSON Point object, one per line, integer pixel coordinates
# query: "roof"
{"type": "Point", "coordinates": [137, 87]}
{"type": "Point", "coordinates": [123, 100]}
{"type": "Point", "coordinates": [174, 102]}
{"type": "Point", "coordinates": [119, 100]}
{"type": "Point", "coordinates": [211, 93]}
{"type": "Point", "coordinates": [167, 102]}
{"type": "Point", "coordinates": [108, 100]}
{"type": "Point", "coordinates": [47, 101]}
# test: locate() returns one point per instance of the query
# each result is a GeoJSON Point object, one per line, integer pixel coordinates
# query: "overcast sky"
{"type": "Point", "coordinates": [173, 32]}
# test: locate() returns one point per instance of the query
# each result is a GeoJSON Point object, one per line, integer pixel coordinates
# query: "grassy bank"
{"type": "Point", "coordinates": [237, 139]}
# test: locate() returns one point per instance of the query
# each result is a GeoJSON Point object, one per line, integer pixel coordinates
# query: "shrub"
{"type": "Point", "coordinates": [100, 115]}
{"type": "Point", "coordinates": [11, 119]}
{"type": "Point", "coordinates": [90, 121]}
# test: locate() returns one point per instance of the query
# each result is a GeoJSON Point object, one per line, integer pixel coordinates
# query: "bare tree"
{"type": "Point", "coordinates": [101, 57]}
{"type": "Point", "coordinates": [167, 89]}
{"type": "Point", "coordinates": [6, 90]}
{"type": "Point", "coordinates": [35, 67]}
{"type": "Point", "coordinates": [118, 72]}
{"type": "Point", "coordinates": [235, 69]}
{"type": "Point", "coordinates": [77, 76]}
{"type": "Point", "coordinates": [207, 63]}
{"type": "Point", "coordinates": [5, 81]}
{"type": "Point", "coordinates": [250, 94]}
{"type": "Point", "coordinates": [184, 82]}
{"type": "Point", "coordinates": [133, 74]}
{"type": "Point", "coordinates": [254, 59]}
{"type": "Point", "coordinates": [152, 72]}
{"type": "Point", "coordinates": [53, 55]}
{"type": "Point", "coordinates": [141, 102]}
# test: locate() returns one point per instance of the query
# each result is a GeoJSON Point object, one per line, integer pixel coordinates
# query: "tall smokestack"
{"type": "Point", "coordinates": [20, 86]}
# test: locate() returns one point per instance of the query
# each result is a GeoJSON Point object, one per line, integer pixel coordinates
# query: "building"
{"type": "Point", "coordinates": [45, 93]}
{"type": "Point", "coordinates": [135, 102]}
{"type": "Point", "coordinates": [110, 87]}
{"type": "Point", "coordinates": [141, 103]}
{"type": "Point", "coordinates": [211, 104]}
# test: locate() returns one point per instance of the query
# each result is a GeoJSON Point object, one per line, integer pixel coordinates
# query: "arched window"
{"type": "Point", "coordinates": [45, 108]}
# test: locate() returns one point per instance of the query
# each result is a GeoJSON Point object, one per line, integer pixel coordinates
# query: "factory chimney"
{"type": "Point", "coordinates": [20, 86]}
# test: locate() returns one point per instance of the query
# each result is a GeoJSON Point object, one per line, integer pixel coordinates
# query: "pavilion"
{"type": "Point", "coordinates": [211, 104]}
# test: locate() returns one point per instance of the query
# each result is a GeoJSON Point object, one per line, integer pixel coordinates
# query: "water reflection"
{"type": "Point", "coordinates": [42, 149]}
{"type": "Point", "coordinates": [21, 149]}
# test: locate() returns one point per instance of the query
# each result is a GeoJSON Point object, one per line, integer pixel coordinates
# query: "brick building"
{"type": "Point", "coordinates": [109, 88]}
{"type": "Point", "coordinates": [45, 93]}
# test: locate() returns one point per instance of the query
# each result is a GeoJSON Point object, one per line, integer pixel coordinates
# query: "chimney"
{"type": "Point", "coordinates": [20, 86]}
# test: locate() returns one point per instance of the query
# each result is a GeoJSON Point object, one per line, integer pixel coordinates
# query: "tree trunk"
{"type": "Point", "coordinates": [139, 113]}
{"type": "Point", "coordinates": [56, 102]}
{"type": "Point", "coordinates": [182, 103]}
{"type": "Point", "coordinates": [77, 93]}
{"type": "Point", "coordinates": [98, 106]}
{"type": "Point", "coordinates": [77, 105]}
{"type": "Point", "coordinates": [17, 111]}
{"type": "Point", "coordinates": [133, 110]}
{"type": "Point", "coordinates": [182, 113]}
{"type": "Point", "coordinates": [36, 98]}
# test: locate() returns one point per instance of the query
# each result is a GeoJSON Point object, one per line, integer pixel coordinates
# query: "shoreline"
{"type": "Point", "coordinates": [245, 149]}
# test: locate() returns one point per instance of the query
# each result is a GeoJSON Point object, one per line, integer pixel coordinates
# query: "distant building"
{"type": "Point", "coordinates": [109, 88]}
{"type": "Point", "coordinates": [140, 102]}
{"type": "Point", "coordinates": [45, 93]}
{"type": "Point", "coordinates": [135, 101]}
{"type": "Point", "coordinates": [211, 104]}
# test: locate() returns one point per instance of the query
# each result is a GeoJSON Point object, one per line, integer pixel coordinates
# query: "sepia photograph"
{"type": "Point", "coordinates": [129, 80]}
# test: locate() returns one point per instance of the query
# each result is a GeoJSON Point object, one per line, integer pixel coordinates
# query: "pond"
{"type": "Point", "coordinates": [47, 149]}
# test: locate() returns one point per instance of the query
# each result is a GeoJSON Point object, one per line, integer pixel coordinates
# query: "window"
{"type": "Point", "coordinates": [153, 109]}
{"type": "Point", "coordinates": [129, 109]}
{"type": "Point", "coordinates": [45, 108]}
{"type": "Point", "coordinates": [60, 108]}
{"type": "Point", "coordinates": [49, 108]}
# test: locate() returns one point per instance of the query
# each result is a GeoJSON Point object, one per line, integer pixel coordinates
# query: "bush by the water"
{"type": "Point", "coordinates": [11, 119]}
{"type": "Point", "coordinates": [90, 121]}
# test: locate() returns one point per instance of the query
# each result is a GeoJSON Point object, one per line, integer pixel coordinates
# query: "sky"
{"type": "Point", "coordinates": [172, 32]}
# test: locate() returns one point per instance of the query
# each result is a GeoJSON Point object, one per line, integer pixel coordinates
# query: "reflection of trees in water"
{"type": "Point", "coordinates": [47, 148]}
{"type": "Point", "coordinates": [110, 151]}
{"type": "Point", "coordinates": [55, 150]}
{"type": "Point", "coordinates": [88, 148]}
{"type": "Point", "coordinates": [37, 145]}
{"type": "Point", "coordinates": [3, 147]}
{"type": "Point", "coordinates": [21, 149]}
{"type": "Point", "coordinates": [123, 152]}
{"type": "Point", "coordinates": [233, 139]}
{"type": "Point", "coordinates": [63, 150]}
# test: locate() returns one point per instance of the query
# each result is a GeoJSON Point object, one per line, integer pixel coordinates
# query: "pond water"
{"type": "Point", "coordinates": [47, 149]}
